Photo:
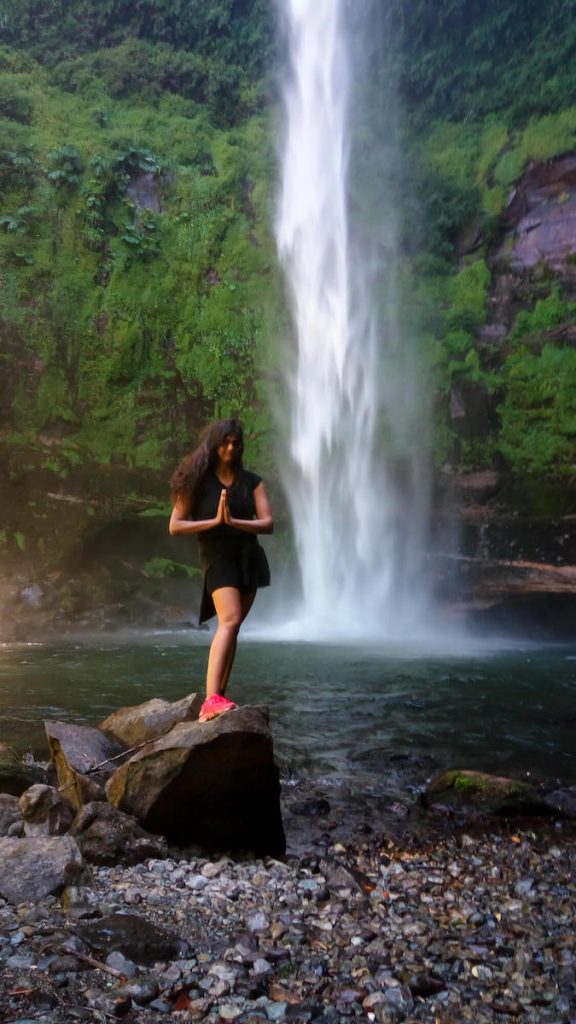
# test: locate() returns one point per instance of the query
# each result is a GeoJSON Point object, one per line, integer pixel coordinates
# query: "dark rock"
{"type": "Point", "coordinates": [214, 784]}
{"type": "Point", "coordinates": [152, 719]}
{"type": "Point", "coordinates": [31, 869]}
{"type": "Point", "coordinates": [144, 191]}
{"type": "Point", "coordinates": [45, 812]}
{"type": "Point", "coordinates": [133, 936]}
{"type": "Point", "coordinates": [107, 835]}
{"type": "Point", "coordinates": [562, 802]}
{"type": "Point", "coordinates": [311, 808]}
{"type": "Point", "coordinates": [76, 750]}
{"type": "Point", "coordinates": [15, 775]}
{"type": "Point", "coordinates": [491, 794]}
{"type": "Point", "coordinates": [10, 812]}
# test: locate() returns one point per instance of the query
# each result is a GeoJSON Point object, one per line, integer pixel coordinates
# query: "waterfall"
{"type": "Point", "coordinates": [357, 515]}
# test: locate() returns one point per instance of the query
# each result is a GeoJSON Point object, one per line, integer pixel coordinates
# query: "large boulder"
{"type": "Point", "coordinates": [465, 790]}
{"type": "Point", "coordinates": [84, 758]}
{"type": "Point", "coordinates": [106, 835]}
{"type": "Point", "coordinates": [152, 719]}
{"type": "Point", "coordinates": [31, 869]}
{"type": "Point", "coordinates": [214, 784]}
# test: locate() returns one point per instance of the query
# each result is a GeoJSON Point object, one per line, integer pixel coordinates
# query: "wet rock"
{"type": "Point", "coordinates": [106, 835]}
{"type": "Point", "coordinates": [45, 812]}
{"type": "Point", "coordinates": [492, 794]}
{"type": "Point", "coordinates": [562, 801]}
{"type": "Point", "coordinates": [150, 720]}
{"type": "Point", "coordinates": [144, 191]}
{"type": "Point", "coordinates": [77, 750]}
{"type": "Point", "coordinates": [135, 937]}
{"type": "Point", "coordinates": [214, 784]}
{"type": "Point", "coordinates": [313, 807]}
{"type": "Point", "coordinates": [10, 813]}
{"type": "Point", "coordinates": [31, 869]}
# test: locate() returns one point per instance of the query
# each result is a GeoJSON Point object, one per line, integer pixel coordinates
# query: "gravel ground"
{"type": "Point", "coordinates": [436, 924]}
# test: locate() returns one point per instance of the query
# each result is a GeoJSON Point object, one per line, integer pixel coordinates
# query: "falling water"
{"type": "Point", "coordinates": [358, 526]}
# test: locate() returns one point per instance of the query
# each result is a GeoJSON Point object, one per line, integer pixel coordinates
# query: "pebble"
{"type": "Point", "coordinates": [448, 927]}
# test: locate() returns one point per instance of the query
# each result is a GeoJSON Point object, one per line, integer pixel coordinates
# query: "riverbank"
{"type": "Point", "coordinates": [428, 922]}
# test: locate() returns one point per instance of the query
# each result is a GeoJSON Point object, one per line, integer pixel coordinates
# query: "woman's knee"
{"type": "Point", "coordinates": [231, 621]}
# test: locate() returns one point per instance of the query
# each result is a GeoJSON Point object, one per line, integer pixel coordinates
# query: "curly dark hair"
{"type": "Point", "coordinates": [194, 466]}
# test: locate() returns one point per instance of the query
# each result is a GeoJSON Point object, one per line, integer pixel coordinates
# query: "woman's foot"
{"type": "Point", "coordinates": [214, 706]}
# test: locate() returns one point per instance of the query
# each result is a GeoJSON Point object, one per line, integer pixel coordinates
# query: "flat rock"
{"type": "Point", "coordinates": [106, 835]}
{"type": "Point", "coordinates": [133, 936]}
{"type": "Point", "coordinates": [76, 750]}
{"type": "Point", "coordinates": [150, 720]}
{"type": "Point", "coordinates": [31, 869]}
{"type": "Point", "coordinates": [492, 794]}
{"type": "Point", "coordinates": [214, 784]}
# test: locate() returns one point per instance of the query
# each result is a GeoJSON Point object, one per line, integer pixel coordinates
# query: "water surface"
{"type": "Point", "coordinates": [340, 712]}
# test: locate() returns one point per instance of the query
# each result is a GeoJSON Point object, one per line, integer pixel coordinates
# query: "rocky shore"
{"type": "Point", "coordinates": [446, 903]}
{"type": "Point", "coordinates": [429, 921]}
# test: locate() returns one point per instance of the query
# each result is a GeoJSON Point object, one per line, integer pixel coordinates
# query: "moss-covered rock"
{"type": "Point", "coordinates": [465, 790]}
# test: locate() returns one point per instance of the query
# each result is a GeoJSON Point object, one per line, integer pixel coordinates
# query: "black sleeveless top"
{"type": "Point", "coordinates": [228, 556]}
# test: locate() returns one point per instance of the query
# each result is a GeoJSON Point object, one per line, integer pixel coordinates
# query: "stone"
{"type": "Point", "coordinates": [75, 751]}
{"type": "Point", "coordinates": [107, 835]}
{"type": "Point", "coordinates": [45, 811]}
{"type": "Point", "coordinates": [491, 794]}
{"type": "Point", "coordinates": [562, 802]}
{"type": "Point", "coordinates": [141, 992]}
{"type": "Point", "coordinates": [149, 721]}
{"type": "Point", "coordinates": [135, 937]}
{"type": "Point", "coordinates": [213, 784]}
{"type": "Point", "coordinates": [10, 813]}
{"type": "Point", "coordinates": [31, 869]}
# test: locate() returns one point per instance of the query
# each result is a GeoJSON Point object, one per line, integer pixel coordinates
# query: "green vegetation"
{"type": "Point", "coordinates": [141, 295]}
{"type": "Point", "coordinates": [165, 568]}
{"type": "Point", "coordinates": [137, 270]}
{"type": "Point", "coordinates": [462, 61]}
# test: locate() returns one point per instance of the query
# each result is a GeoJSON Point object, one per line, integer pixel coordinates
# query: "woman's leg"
{"type": "Point", "coordinates": [246, 602]}
{"type": "Point", "coordinates": [232, 608]}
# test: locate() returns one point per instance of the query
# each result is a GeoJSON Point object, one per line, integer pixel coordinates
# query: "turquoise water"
{"type": "Point", "coordinates": [336, 711]}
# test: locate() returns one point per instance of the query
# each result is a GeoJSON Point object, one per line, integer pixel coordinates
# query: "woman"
{"type": "Point", "coordinates": [226, 506]}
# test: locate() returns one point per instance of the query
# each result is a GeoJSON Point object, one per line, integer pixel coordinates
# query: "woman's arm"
{"type": "Point", "coordinates": [264, 521]}
{"type": "Point", "coordinates": [179, 522]}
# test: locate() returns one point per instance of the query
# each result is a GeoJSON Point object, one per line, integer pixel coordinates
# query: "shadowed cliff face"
{"type": "Point", "coordinates": [540, 219]}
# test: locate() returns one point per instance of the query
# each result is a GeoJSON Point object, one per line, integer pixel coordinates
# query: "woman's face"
{"type": "Point", "coordinates": [229, 450]}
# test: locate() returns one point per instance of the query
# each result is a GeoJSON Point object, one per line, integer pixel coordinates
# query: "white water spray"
{"type": "Point", "coordinates": [359, 546]}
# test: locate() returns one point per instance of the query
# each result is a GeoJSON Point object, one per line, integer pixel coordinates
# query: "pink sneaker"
{"type": "Point", "coordinates": [214, 706]}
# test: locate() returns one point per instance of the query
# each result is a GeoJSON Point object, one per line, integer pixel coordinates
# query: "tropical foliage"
{"type": "Point", "coordinates": [137, 169]}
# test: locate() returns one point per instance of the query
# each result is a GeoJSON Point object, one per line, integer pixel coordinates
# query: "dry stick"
{"type": "Point", "coordinates": [96, 767]}
{"type": "Point", "coordinates": [95, 963]}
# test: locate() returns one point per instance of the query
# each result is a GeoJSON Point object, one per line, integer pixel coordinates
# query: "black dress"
{"type": "Point", "coordinates": [229, 557]}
